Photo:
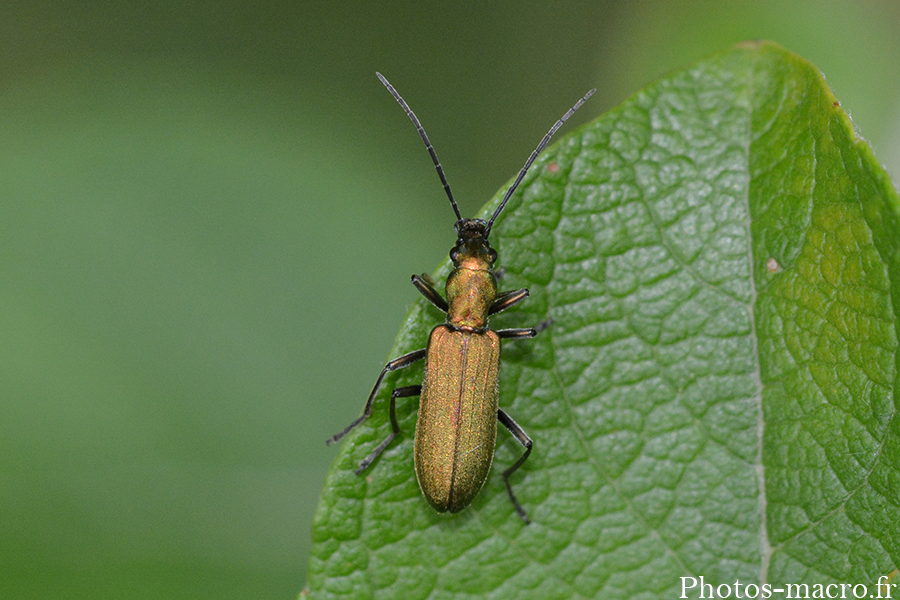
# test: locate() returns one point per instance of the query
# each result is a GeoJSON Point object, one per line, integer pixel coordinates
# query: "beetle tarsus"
{"type": "Point", "coordinates": [346, 430]}
{"type": "Point", "coordinates": [543, 325]}
{"type": "Point", "coordinates": [364, 463]}
{"type": "Point", "coordinates": [522, 437]}
{"type": "Point", "coordinates": [519, 510]}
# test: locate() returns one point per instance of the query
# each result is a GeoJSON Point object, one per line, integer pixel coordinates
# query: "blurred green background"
{"type": "Point", "coordinates": [210, 213]}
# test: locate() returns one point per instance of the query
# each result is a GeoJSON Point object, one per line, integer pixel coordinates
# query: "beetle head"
{"type": "Point", "coordinates": [472, 243]}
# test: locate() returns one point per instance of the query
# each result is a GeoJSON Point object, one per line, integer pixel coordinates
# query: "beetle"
{"type": "Point", "coordinates": [458, 399]}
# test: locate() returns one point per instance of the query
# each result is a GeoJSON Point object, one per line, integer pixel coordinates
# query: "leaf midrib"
{"type": "Point", "coordinates": [765, 547]}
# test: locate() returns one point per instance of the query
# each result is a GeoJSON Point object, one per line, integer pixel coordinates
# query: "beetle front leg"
{"type": "Point", "coordinates": [523, 439]}
{"type": "Point", "coordinates": [404, 392]}
{"type": "Point", "coordinates": [425, 285]}
{"type": "Point", "coordinates": [397, 363]}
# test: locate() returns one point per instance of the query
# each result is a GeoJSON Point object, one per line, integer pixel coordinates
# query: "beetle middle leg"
{"type": "Point", "coordinates": [507, 299]}
{"type": "Point", "coordinates": [517, 334]}
{"type": "Point", "coordinates": [524, 332]}
{"type": "Point", "coordinates": [397, 363]}
{"type": "Point", "coordinates": [523, 439]}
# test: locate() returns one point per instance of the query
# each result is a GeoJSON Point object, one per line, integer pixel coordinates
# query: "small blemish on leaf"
{"type": "Point", "coordinates": [772, 265]}
{"type": "Point", "coordinates": [553, 168]}
{"type": "Point", "coordinates": [886, 582]}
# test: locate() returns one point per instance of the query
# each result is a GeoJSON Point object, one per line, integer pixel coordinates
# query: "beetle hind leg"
{"type": "Point", "coordinates": [403, 392]}
{"type": "Point", "coordinates": [520, 435]}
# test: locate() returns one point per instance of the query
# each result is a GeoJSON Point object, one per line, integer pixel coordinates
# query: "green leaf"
{"type": "Point", "coordinates": [720, 256]}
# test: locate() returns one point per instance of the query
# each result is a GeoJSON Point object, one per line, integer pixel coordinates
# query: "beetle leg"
{"type": "Point", "coordinates": [516, 334]}
{"type": "Point", "coordinates": [525, 332]}
{"type": "Point", "coordinates": [523, 438]}
{"type": "Point", "coordinates": [428, 279]}
{"type": "Point", "coordinates": [403, 392]}
{"type": "Point", "coordinates": [397, 363]}
{"type": "Point", "coordinates": [543, 325]}
{"type": "Point", "coordinates": [425, 285]}
{"type": "Point", "coordinates": [507, 299]}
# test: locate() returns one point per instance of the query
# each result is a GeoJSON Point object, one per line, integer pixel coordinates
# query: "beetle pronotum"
{"type": "Point", "coordinates": [456, 429]}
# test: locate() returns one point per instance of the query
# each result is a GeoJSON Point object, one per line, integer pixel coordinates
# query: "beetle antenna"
{"type": "Point", "coordinates": [428, 146]}
{"type": "Point", "coordinates": [533, 156]}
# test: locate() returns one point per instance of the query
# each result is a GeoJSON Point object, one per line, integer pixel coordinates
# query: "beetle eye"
{"type": "Point", "coordinates": [493, 255]}
{"type": "Point", "coordinates": [453, 255]}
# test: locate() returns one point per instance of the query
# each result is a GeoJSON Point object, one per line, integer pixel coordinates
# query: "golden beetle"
{"type": "Point", "coordinates": [455, 430]}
